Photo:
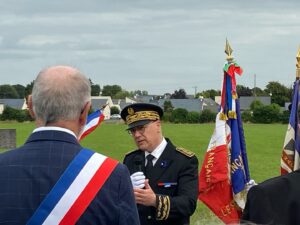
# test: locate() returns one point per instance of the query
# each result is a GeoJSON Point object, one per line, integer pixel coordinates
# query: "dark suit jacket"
{"type": "Point", "coordinates": [172, 166]}
{"type": "Point", "coordinates": [275, 201]}
{"type": "Point", "coordinates": [28, 173]}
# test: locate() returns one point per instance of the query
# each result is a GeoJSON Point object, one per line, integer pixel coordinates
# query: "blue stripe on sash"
{"type": "Point", "coordinates": [60, 187]}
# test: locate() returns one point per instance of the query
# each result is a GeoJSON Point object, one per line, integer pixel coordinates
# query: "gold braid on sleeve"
{"type": "Point", "coordinates": [163, 207]}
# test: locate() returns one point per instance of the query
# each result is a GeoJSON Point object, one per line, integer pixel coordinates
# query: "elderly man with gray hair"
{"type": "Point", "coordinates": [52, 179]}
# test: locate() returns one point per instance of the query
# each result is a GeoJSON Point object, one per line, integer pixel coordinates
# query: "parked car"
{"type": "Point", "coordinates": [115, 116]}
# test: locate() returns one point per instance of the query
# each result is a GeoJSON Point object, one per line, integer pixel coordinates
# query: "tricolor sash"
{"type": "Point", "coordinates": [75, 189]}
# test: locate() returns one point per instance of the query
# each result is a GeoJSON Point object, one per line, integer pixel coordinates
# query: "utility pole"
{"type": "Point", "coordinates": [195, 87]}
{"type": "Point", "coordinates": [254, 89]}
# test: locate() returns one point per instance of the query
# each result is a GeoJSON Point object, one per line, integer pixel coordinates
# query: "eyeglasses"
{"type": "Point", "coordinates": [140, 129]}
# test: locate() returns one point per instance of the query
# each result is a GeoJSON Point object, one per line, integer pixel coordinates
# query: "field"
{"type": "Point", "coordinates": [263, 141]}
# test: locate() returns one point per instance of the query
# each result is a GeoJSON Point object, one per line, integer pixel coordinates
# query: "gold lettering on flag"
{"type": "Point", "coordinates": [237, 164]}
{"type": "Point", "coordinates": [227, 209]}
{"type": "Point", "coordinates": [209, 164]}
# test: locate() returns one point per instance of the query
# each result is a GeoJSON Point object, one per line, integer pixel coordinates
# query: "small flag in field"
{"type": "Point", "coordinates": [93, 120]}
{"type": "Point", "coordinates": [224, 174]}
{"type": "Point", "coordinates": [290, 160]}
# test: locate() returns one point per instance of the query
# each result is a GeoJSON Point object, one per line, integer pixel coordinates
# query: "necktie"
{"type": "Point", "coordinates": [149, 165]}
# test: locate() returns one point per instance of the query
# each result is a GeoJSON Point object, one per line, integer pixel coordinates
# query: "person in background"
{"type": "Point", "coordinates": [164, 177]}
{"type": "Point", "coordinates": [52, 179]}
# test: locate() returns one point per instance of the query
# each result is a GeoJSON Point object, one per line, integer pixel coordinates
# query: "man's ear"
{"type": "Point", "coordinates": [84, 113]}
{"type": "Point", "coordinates": [30, 107]}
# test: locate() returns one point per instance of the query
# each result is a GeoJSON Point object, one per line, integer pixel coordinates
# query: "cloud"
{"type": "Point", "coordinates": [150, 45]}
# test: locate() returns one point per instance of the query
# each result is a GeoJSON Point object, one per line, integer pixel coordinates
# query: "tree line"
{"type": "Point", "coordinates": [258, 112]}
{"type": "Point", "coordinates": [279, 93]}
{"type": "Point", "coordinates": [19, 91]}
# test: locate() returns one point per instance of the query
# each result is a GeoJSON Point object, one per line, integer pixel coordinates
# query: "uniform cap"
{"type": "Point", "coordinates": [139, 114]}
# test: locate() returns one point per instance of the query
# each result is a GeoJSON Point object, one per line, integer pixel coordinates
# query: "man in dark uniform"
{"type": "Point", "coordinates": [29, 175]}
{"type": "Point", "coordinates": [165, 178]}
{"type": "Point", "coordinates": [274, 201]}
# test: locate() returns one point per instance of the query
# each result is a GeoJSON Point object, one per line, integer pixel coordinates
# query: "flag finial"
{"type": "Point", "coordinates": [228, 51]}
{"type": "Point", "coordinates": [298, 64]}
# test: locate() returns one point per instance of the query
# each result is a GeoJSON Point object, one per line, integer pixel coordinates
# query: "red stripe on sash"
{"type": "Point", "coordinates": [90, 191]}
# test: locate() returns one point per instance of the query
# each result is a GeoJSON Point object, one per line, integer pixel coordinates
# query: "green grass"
{"type": "Point", "coordinates": [263, 141]}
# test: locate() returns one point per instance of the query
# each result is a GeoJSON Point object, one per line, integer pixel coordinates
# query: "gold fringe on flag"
{"type": "Point", "coordinates": [223, 116]}
{"type": "Point", "coordinates": [234, 96]}
{"type": "Point", "coordinates": [232, 114]}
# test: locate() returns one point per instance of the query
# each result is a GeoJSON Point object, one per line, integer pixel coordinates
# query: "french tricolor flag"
{"type": "Point", "coordinates": [93, 120]}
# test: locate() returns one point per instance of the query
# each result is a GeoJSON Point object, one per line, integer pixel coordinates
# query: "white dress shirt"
{"type": "Point", "coordinates": [54, 128]}
{"type": "Point", "coordinates": [157, 151]}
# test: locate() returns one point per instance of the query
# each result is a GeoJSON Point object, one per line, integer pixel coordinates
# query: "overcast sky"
{"type": "Point", "coordinates": [154, 45]}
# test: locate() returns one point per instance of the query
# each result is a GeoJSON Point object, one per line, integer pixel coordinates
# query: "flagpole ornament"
{"type": "Point", "coordinates": [298, 64]}
{"type": "Point", "coordinates": [228, 51]}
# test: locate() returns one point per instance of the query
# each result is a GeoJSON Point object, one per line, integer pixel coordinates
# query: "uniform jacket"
{"type": "Point", "coordinates": [176, 200]}
{"type": "Point", "coordinates": [275, 201]}
{"type": "Point", "coordinates": [28, 173]}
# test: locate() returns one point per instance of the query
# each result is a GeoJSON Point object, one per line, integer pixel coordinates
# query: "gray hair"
{"type": "Point", "coordinates": [60, 98]}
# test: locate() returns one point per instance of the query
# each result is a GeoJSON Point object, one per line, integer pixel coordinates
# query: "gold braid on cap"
{"type": "Point", "coordinates": [141, 115]}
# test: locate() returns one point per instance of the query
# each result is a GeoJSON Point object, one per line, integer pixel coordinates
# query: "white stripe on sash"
{"type": "Point", "coordinates": [75, 189]}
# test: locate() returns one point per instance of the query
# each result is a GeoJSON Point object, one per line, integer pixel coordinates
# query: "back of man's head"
{"type": "Point", "coordinates": [59, 93]}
